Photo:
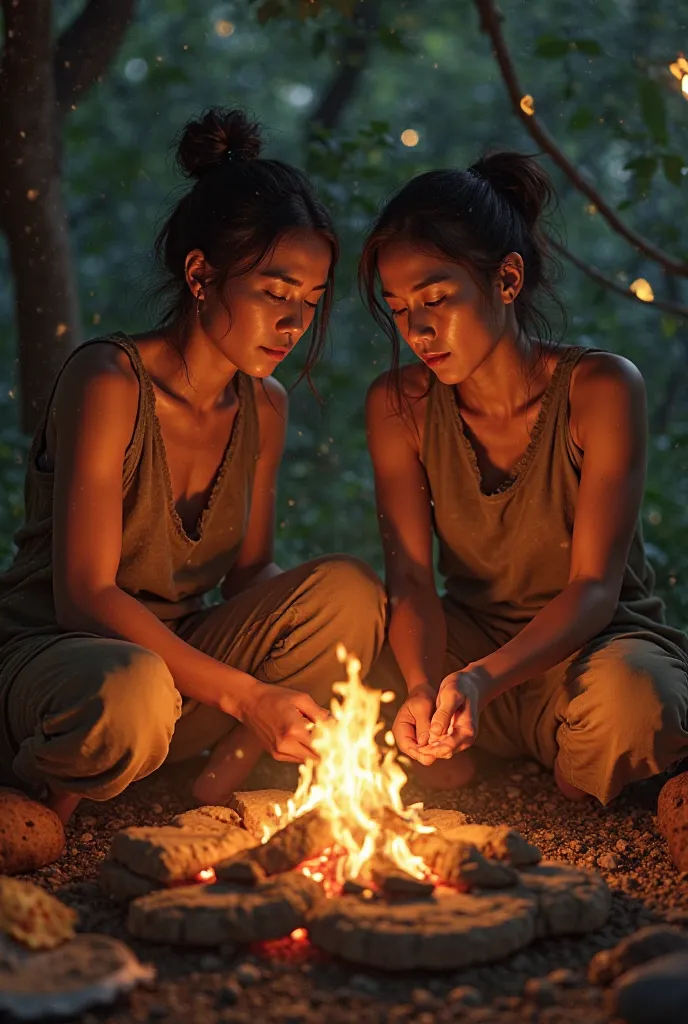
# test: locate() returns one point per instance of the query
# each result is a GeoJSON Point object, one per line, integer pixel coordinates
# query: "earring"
{"type": "Point", "coordinates": [199, 300]}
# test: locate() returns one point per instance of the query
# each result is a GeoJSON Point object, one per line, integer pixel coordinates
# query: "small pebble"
{"type": "Point", "coordinates": [87, 837]}
{"type": "Point", "coordinates": [248, 974]}
{"type": "Point", "coordinates": [608, 860]}
{"type": "Point", "coordinates": [157, 808]}
{"type": "Point", "coordinates": [540, 991]}
{"type": "Point", "coordinates": [364, 983]}
{"type": "Point", "coordinates": [423, 999]}
{"type": "Point", "coordinates": [229, 994]}
{"type": "Point", "coordinates": [565, 977]}
{"type": "Point", "coordinates": [467, 995]}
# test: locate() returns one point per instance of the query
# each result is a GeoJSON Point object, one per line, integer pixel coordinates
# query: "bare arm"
{"type": "Point", "coordinates": [255, 562]}
{"type": "Point", "coordinates": [417, 632]}
{"type": "Point", "coordinates": [94, 416]}
{"type": "Point", "coordinates": [609, 422]}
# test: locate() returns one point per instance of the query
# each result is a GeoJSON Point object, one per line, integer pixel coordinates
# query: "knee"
{"type": "Point", "coordinates": [138, 697]}
{"type": "Point", "coordinates": [638, 695]}
{"type": "Point", "coordinates": [349, 585]}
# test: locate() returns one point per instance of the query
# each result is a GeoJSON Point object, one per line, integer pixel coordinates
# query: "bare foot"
{"type": "Point", "coordinates": [229, 765]}
{"type": "Point", "coordinates": [443, 774]}
{"type": "Point", "coordinates": [569, 791]}
{"type": "Point", "coordinates": [63, 804]}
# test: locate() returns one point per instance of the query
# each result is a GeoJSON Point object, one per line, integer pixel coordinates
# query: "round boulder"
{"type": "Point", "coordinates": [31, 835]}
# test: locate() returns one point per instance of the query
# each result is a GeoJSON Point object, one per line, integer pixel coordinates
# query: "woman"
{"type": "Point", "coordinates": [527, 463]}
{"type": "Point", "coordinates": [152, 480]}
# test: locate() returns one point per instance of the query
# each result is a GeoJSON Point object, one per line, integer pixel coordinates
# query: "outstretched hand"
{"type": "Point", "coordinates": [412, 724]}
{"type": "Point", "coordinates": [454, 723]}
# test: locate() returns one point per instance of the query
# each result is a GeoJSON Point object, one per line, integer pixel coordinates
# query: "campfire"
{"type": "Point", "coordinates": [343, 863]}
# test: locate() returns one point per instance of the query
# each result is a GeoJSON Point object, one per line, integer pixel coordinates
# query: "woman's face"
{"type": "Point", "coordinates": [272, 307]}
{"type": "Point", "coordinates": [440, 310]}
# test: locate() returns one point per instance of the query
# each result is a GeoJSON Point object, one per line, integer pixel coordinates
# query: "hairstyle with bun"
{"type": "Point", "coordinates": [238, 208]}
{"type": "Point", "coordinates": [473, 217]}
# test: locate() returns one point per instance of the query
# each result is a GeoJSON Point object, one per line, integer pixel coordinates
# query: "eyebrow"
{"type": "Point", "coordinates": [437, 278]}
{"type": "Point", "coordinates": [279, 275]}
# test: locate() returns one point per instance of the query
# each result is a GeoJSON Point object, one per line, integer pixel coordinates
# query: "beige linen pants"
{"type": "Point", "coordinates": [615, 713]}
{"type": "Point", "coordinates": [90, 715]}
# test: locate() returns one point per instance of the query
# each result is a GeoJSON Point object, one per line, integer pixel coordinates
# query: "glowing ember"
{"type": "Point", "coordinates": [642, 289]}
{"type": "Point", "coordinates": [206, 875]}
{"type": "Point", "coordinates": [299, 935]}
{"type": "Point", "coordinates": [527, 105]}
{"type": "Point", "coordinates": [356, 788]}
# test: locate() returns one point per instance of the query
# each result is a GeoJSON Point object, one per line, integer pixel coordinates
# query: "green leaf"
{"type": "Point", "coordinates": [551, 46]}
{"type": "Point", "coordinates": [581, 118]}
{"type": "Point", "coordinates": [589, 46]}
{"type": "Point", "coordinates": [652, 109]}
{"type": "Point", "coordinates": [673, 168]}
{"type": "Point", "coordinates": [644, 166]}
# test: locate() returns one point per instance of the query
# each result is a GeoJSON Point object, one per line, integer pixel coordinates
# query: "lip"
{"type": "Point", "coordinates": [433, 359]}
{"type": "Point", "coordinates": [274, 353]}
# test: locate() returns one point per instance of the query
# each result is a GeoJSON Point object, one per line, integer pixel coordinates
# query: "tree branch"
{"type": "Point", "coordinates": [86, 48]}
{"type": "Point", "coordinates": [490, 24]}
{"type": "Point", "coordinates": [351, 63]}
{"type": "Point", "coordinates": [592, 272]}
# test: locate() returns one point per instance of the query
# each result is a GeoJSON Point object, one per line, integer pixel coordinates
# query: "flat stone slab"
{"type": "Point", "coordinates": [211, 915]}
{"type": "Point", "coordinates": [441, 819]}
{"type": "Point", "coordinates": [496, 842]}
{"type": "Point", "coordinates": [31, 835]}
{"type": "Point", "coordinates": [570, 900]}
{"type": "Point", "coordinates": [256, 808]}
{"type": "Point", "coordinates": [451, 930]}
{"type": "Point", "coordinates": [170, 853]}
{"type": "Point", "coordinates": [447, 930]}
{"type": "Point", "coordinates": [84, 972]}
{"type": "Point", "coordinates": [208, 816]}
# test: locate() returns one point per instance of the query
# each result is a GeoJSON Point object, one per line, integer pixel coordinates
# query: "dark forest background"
{"type": "Point", "coordinates": [92, 94]}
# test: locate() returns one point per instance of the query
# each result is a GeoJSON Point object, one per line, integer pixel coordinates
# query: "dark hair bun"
{"type": "Point", "coordinates": [520, 179]}
{"type": "Point", "coordinates": [218, 134]}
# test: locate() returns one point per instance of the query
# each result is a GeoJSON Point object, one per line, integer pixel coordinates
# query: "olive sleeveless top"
{"type": "Point", "coordinates": [504, 555]}
{"type": "Point", "coordinates": [160, 565]}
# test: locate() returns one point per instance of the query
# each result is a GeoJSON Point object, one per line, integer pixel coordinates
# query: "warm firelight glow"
{"type": "Point", "coordinates": [642, 290]}
{"type": "Point", "coordinates": [354, 785]}
{"type": "Point", "coordinates": [299, 935]}
{"type": "Point", "coordinates": [206, 875]}
{"type": "Point", "coordinates": [410, 137]}
{"type": "Point", "coordinates": [684, 86]}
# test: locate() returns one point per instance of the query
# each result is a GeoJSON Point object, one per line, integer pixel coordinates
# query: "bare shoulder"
{"type": "Point", "coordinates": [410, 385]}
{"type": "Point", "coordinates": [607, 393]}
{"type": "Point", "coordinates": [99, 377]}
{"type": "Point", "coordinates": [271, 397]}
{"type": "Point", "coordinates": [600, 374]}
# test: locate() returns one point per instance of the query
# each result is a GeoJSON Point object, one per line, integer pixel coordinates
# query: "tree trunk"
{"type": "Point", "coordinates": [40, 80]}
{"type": "Point", "coordinates": [31, 210]}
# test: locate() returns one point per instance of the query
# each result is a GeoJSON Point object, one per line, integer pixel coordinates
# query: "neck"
{"type": "Point", "coordinates": [193, 368]}
{"type": "Point", "coordinates": [505, 381]}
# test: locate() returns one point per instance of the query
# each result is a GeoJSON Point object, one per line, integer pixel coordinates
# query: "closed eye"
{"type": "Point", "coordinates": [436, 302]}
{"type": "Point", "coordinates": [276, 298]}
{"type": "Point", "coordinates": [397, 312]}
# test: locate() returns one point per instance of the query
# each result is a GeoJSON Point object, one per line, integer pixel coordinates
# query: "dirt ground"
{"type": "Point", "coordinates": [294, 984]}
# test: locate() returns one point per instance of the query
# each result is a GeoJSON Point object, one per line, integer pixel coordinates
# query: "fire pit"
{"type": "Point", "coordinates": [343, 863]}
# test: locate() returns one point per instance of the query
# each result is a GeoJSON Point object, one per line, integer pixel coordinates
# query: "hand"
{"type": "Point", "coordinates": [412, 725]}
{"type": "Point", "coordinates": [282, 720]}
{"type": "Point", "coordinates": [454, 724]}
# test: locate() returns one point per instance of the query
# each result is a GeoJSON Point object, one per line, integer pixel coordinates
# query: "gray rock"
{"type": "Point", "coordinates": [638, 948]}
{"type": "Point", "coordinates": [256, 808]}
{"type": "Point", "coordinates": [655, 993]}
{"type": "Point", "coordinates": [170, 853]}
{"type": "Point", "coordinates": [86, 971]}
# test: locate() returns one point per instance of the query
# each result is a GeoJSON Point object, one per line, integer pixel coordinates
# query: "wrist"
{"type": "Point", "coordinates": [238, 695]}
{"type": "Point", "coordinates": [422, 687]}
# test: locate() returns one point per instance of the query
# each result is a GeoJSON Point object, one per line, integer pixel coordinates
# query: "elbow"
{"type": "Point", "coordinates": [75, 607]}
{"type": "Point", "coordinates": [601, 598]}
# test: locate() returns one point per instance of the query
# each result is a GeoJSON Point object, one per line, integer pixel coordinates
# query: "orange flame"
{"type": "Point", "coordinates": [353, 785]}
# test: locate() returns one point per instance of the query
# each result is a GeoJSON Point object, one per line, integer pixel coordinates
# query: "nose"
{"type": "Point", "coordinates": [419, 328]}
{"type": "Point", "coordinates": [292, 321]}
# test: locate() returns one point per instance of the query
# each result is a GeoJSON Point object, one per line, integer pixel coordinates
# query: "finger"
{"type": "Point", "coordinates": [422, 716]}
{"type": "Point", "coordinates": [308, 707]}
{"type": "Point", "coordinates": [405, 735]}
{"type": "Point", "coordinates": [448, 703]}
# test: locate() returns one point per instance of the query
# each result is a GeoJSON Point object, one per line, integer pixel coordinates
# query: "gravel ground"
{"type": "Point", "coordinates": [294, 984]}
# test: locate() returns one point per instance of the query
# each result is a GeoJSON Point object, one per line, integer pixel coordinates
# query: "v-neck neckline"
{"type": "Point", "coordinates": [518, 471]}
{"type": "Point", "coordinates": [222, 466]}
